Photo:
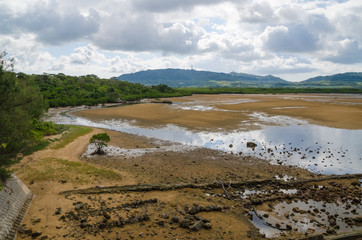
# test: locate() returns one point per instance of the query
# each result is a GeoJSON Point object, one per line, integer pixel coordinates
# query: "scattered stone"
{"type": "Point", "coordinates": [35, 221]}
{"type": "Point", "coordinates": [36, 234]}
{"type": "Point", "coordinates": [187, 221]}
{"type": "Point", "coordinates": [251, 145]}
{"type": "Point", "coordinates": [164, 216]}
{"type": "Point", "coordinates": [161, 223]}
{"type": "Point", "coordinates": [62, 181]}
{"type": "Point", "coordinates": [79, 206]}
{"type": "Point", "coordinates": [197, 225]}
{"type": "Point", "coordinates": [175, 219]}
{"type": "Point", "coordinates": [58, 211]}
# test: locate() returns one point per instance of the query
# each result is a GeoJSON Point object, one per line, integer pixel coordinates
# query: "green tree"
{"type": "Point", "coordinates": [20, 102]}
{"type": "Point", "coordinates": [99, 140]}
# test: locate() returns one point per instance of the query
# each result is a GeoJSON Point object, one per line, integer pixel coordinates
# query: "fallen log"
{"type": "Point", "coordinates": [214, 185]}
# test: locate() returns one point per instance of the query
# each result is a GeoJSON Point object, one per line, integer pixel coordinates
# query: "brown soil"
{"type": "Point", "coordinates": [340, 111]}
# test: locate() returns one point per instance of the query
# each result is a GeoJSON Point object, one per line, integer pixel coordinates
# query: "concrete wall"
{"type": "Point", "coordinates": [15, 199]}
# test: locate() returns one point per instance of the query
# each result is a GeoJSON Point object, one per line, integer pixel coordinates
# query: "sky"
{"type": "Point", "coordinates": [291, 39]}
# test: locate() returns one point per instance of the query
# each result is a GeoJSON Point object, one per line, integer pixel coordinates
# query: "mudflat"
{"type": "Point", "coordinates": [227, 111]}
{"type": "Point", "coordinates": [145, 188]}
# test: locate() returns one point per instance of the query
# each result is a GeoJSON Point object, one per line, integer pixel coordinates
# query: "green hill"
{"type": "Point", "coordinates": [192, 78]}
{"type": "Point", "coordinates": [178, 78]}
{"type": "Point", "coordinates": [341, 80]}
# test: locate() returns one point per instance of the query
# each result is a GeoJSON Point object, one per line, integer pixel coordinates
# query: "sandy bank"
{"type": "Point", "coordinates": [228, 111]}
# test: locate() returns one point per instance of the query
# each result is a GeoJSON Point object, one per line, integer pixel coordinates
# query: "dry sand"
{"type": "Point", "coordinates": [333, 110]}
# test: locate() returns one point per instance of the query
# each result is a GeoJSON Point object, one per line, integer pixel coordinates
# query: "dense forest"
{"type": "Point", "coordinates": [64, 90]}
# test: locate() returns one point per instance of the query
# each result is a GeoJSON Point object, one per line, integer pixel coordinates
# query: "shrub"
{"type": "Point", "coordinates": [99, 140]}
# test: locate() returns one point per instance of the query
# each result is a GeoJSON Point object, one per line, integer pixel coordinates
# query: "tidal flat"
{"type": "Point", "coordinates": [188, 170]}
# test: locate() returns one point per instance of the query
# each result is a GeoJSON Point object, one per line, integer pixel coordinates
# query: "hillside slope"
{"type": "Point", "coordinates": [193, 78]}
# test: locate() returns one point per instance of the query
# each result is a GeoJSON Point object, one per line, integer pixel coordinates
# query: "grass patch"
{"type": "Point", "coordinates": [37, 147]}
{"type": "Point", "coordinates": [73, 133]}
{"type": "Point", "coordinates": [55, 169]}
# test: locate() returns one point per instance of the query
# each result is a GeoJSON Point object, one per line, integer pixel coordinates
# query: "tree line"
{"type": "Point", "coordinates": [63, 90]}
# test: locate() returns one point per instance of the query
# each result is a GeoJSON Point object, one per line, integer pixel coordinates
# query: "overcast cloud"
{"type": "Point", "coordinates": [288, 38]}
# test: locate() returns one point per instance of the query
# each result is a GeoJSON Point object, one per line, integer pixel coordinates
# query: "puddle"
{"type": "Point", "coordinates": [316, 148]}
{"type": "Point", "coordinates": [313, 216]}
{"type": "Point", "coordinates": [270, 232]}
{"type": "Point", "coordinates": [285, 178]}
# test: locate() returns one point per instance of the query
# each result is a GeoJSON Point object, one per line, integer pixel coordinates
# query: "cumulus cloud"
{"type": "Point", "coordinates": [280, 64]}
{"type": "Point", "coordinates": [84, 55]}
{"type": "Point", "coordinates": [163, 6]}
{"type": "Point", "coordinates": [144, 33]}
{"type": "Point", "coordinates": [346, 51]}
{"type": "Point", "coordinates": [289, 39]}
{"type": "Point", "coordinates": [50, 25]}
{"type": "Point", "coordinates": [258, 12]}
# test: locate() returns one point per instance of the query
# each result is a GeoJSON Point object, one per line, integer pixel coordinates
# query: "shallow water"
{"type": "Point", "coordinates": [269, 232]}
{"type": "Point", "coordinates": [319, 220]}
{"type": "Point", "coordinates": [294, 142]}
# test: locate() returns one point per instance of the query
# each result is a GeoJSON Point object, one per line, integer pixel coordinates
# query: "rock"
{"type": "Point", "coordinates": [36, 234]}
{"type": "Point", "coordinates": [207, 225]}
{"type": "Point", "coordinates": [331, 231]}
{"type": "Point", "coordinates": [332, 221]}
{"type": "Point", "coordinates": [295, 209]}
{"type": "Point", "coordinates": [106, 215]}
{"type": "Point", "coordinates": [251, 145]}
{"type": "Point", "coordinates": [187, 221]}
{"type": "Point", "coordinates": [161, 223]}
{"type": "Point", "coordinates": [197, 225]}
{"type": "Point", "coordinates": [35, 221]}
{"type": "Point", "coordinates": [79, 206]}
{"type": "Point", "coordinates": [164, 216]}
{"type": "Point", "coordinates": [175, 219]}
{"type": "Point", "coordinates": [58, 211]}
{"type": "Point", "coordinates": [83, 225]}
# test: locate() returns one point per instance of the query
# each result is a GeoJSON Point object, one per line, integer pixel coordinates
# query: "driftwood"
{"type": "Point", "coordinates": [225, 190]}
{"type": "Point", "coordinates": [214, 185]}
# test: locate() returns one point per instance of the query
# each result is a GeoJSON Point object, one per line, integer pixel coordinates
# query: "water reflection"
{"type": "Point", "coordinates": [317, 148]}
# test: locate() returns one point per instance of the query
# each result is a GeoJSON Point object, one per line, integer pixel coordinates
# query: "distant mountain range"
{"type": "Point", "coordinates": [191, 78]}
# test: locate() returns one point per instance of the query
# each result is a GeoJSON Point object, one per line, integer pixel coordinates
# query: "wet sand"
{"type": "Point", "coordinates": [228, 111]}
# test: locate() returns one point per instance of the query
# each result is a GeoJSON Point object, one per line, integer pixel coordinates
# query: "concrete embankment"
{"type": "Point", "coordinates": [15, 199]}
